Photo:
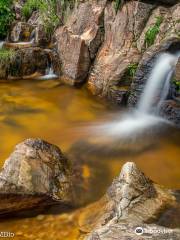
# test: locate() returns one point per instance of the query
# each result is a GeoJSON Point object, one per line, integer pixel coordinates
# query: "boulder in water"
{"type": "Point", "coordinates": [35, 175]}
{"type": "Point", "coordinates": [132, 200]}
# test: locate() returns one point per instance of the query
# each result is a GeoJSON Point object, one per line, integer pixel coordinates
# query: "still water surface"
{"type": "Point", "coordinates": [64, 116]}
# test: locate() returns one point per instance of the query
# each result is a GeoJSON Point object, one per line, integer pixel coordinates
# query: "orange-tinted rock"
{"type": "Point", "coordinates": [119, 48]}
{"type": "Point", "coordinates": [35, 175]}
{"type": "Point", "coordinates": [79, 40]}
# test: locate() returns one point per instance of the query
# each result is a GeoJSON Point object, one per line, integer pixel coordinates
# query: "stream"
{"type": "Point", "coordinates": [65, 116]}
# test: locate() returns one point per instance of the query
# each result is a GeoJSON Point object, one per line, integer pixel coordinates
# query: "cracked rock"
{"type": "Point", "coordinates": [36, 174]}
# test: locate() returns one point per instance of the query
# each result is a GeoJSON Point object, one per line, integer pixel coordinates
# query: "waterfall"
{"type": "Point", "coordinates": [158, 81]}
{"type": "Point", "coordinates": [1, 44]}
{"type": "Point", "coordinates": [146, 113]}
{"type": "Point", "coordinates": [49, 74]}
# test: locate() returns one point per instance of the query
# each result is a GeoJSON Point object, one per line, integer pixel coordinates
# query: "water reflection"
{"type": "Point", "coordinates": [68, 117]}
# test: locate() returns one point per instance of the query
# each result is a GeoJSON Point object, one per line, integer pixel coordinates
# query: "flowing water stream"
{"type": "Point", "coordinates": [100, 136]}
{"type": "Point", "coordinates": [146, 114]}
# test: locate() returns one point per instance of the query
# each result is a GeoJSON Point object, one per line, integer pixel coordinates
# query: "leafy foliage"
{"type": "Point", "coordinates": [152, 32]}
{"type": "Point", "coordinates": [131, 70]}
{"type": "Point", "coordinates": [51, 11]}
{"type": "Point", "coordinates": [30, 6]}
{"type": "Point", "coordinates": [6, 17]}
{"type": "Point", "coordinates": [177, 84]}
{"type": "Point", "coordinates": [6, 55]}
{"type": "Point", "coordinates": [117, 5]}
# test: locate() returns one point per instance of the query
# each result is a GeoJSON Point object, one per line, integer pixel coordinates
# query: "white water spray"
{"type": "Point", "coordinates": [155, 91]}
{"type": "Point", "coordinates": [1, 44]}
{"type": "Point", "coordinates": [158, 81]}
{"type": "Point", "coordinates": [49, 74]}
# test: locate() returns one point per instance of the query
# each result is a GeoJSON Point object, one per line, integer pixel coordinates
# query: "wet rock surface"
{"type": "Point", "coordinates": [36, 174]}
{"type": "Point", "coordinates": [26, 62]}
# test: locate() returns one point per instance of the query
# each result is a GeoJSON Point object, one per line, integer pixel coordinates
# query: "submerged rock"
{"type": "Point", "coordinates": [79, 40]}
{"type": "Point", "coordinates": [36, 174]}
{"type": "Point", "coordinates": [132, 200]}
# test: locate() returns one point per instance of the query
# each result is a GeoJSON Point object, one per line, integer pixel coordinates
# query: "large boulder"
{"type": "Point", "coordinates": [79, 40]}
{"type": "Point", "coordinates": [29, 61]}
{"type": "Point", "coordinates": [36, 174]}
{"type": "Point", "coordinates": [118, 52]}
{"type": "Point", "coordinates": [132, 200]}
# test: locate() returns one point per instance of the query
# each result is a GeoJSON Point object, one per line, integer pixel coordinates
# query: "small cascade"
{"type": "Point", "coordinates": [1, 44]}
{"type": "Point", "coordinates": [146, 114]}
{"type": "Point", "coordinates": [49, 74]}
{"type": "Point", "coordinates": [158, 82]}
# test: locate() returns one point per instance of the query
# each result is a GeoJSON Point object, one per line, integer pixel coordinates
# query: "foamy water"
{"type": "Point", "coordinates": [143, 118]}
{"type": "Point", "coordinates": [49, 74]}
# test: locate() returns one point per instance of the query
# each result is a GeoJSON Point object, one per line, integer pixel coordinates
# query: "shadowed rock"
{"type": "Point", "coordinates": [35, 175]}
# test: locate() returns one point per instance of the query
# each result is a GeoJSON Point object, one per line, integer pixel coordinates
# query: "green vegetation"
{"type": "Point", "coordinates": [117, 4]}
{"type": "Point", "coordinates": [177, 84]}
{"type": "Point", "coordinates": [6, 55]}
{"type": "Point", "coordinates": [6, 17]}
{"type": "Point", "coordinates": [47, 10]}
{"type": "Point", "coordinates": [152, 32]}
{"type": "Point", "coordinates": [51, 11]}
{"type": "Point", "coordinates": [131, 70]}
{"type": "Point", "coordinates": [30, 6]}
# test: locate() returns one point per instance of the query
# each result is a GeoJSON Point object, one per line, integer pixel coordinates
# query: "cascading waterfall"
{"type": "Point", "coordinates": [155, 91]}
{"type": "Point", "coordinates": [158, 82]}
{"type": "Point", "coordinates": [49, 74]}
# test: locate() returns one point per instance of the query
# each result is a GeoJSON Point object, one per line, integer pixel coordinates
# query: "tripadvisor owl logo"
{"type": "Point", "coordinates": [139, 231]}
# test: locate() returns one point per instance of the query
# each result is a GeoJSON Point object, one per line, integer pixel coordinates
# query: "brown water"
{"type": "Point", "coordinates": [61, 115]}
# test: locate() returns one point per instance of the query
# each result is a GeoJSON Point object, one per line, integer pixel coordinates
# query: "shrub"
{"type": "Point", "coordinates": [117, 5]}
{"type": "Point", "coordinates": [6, 17]}
{"type": "Point", "coordinates": [6, 55]}
{"type": "Point", "coordinates": [30, 6]}
{"type": "Point", "coordinates": [176, 84]}
{"type": "Point", "coordinates": [131, 70]}
{"type": "Point", "coordinates": [152, 32]}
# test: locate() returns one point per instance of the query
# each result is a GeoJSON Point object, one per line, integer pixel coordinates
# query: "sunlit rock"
{"type": "Point", "coordinates": [36, 174]}
{"type": "Point", "coordinates": [118, 50]}
{"type": "Point", "coordinates": [79, 40]}
{"type": "Point", "coordinates": [132, 200]}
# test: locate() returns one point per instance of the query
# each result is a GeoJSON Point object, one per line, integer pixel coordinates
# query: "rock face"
{"type": "Point", "coordinates": [79, 40]}
{"type": "Point", "coordinates": [26, 63]}
{"type": "Point", "coordinates": [166, 40]}
{"type": "Point", "coordinates": [36, 174]}
{"type": "Point", "coordinates": [21, 32]}
{"type": "Point", "coordinates": [131, 201]}
{"type": "Point", "coordinates": [177, 71]}
{"type": "Point", "coordinates": [119, 49]}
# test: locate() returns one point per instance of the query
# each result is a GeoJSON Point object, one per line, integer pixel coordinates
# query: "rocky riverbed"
{"type": "Point", "coordinates": [73, 73]}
